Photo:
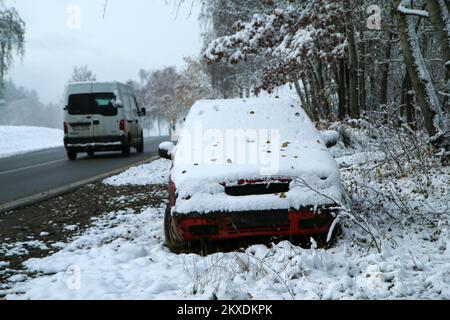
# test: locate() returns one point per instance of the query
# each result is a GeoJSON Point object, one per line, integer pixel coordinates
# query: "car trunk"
{"type": "Point", "coordinates": [232, 225]}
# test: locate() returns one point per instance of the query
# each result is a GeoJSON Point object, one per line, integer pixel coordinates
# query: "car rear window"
{"type": "Point", "coordinates": [92, 103]}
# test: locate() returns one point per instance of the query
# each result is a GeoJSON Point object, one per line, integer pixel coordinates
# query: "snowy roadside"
{"type": "Point", "coordinates": [156, 172]}
{"type": "Point", "coordinates": [44, 229]}
{"type": "Point", "coordinates": [15, 140]}
{"type": "Point", "coordinates": [122, 255]}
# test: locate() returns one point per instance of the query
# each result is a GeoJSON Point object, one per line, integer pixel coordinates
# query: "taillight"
{"type": "Point", "coordinates": [66, 128]}
{"type": "Point", "coordinates": [122, 125]}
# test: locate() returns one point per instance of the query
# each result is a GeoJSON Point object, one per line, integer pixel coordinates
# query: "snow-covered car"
{"type": "Point", "coordinates": [250, 168]}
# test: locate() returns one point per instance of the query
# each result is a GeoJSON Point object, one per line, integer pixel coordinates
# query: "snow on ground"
{"type": "Point", "coordinates": [156, 172]}
{"type": "Point", "coordinates": [122, 255]}
{"type": "Point", "coordinates": [18, 140]}
{"type": "Point", "coordinates": [20, 248]}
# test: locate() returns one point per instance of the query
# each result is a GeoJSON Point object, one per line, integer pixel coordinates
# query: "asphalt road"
{"type": "Point", "coordinates": [33, 173]}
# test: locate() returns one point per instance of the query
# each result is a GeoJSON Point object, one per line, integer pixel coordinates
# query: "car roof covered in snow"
{"type": "Point", "coordinates": [224, 141]}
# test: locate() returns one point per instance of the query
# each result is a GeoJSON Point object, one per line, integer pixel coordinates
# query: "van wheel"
{"type": "Point", "coordinates": [72, 155]}
{"type": "Point", "coordinates": [171, 242]}
{"type": "Point", "coordinates": [126, 148]}
{"type": "Point", "coordinates": [140, 147]}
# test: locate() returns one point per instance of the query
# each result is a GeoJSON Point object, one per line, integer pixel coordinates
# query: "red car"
{"type": "Point", "coordinates": [250, 168]}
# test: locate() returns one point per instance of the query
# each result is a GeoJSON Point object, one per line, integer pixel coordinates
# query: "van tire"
{"type": "Point", "coordinates": [126, 148]}
{"type": "Point", "coordinates": [72, 155]}
{"type": "Point", "coordinates": [140, 147]}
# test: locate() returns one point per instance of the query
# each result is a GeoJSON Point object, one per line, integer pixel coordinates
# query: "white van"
{"type": "Point", "coordinates": [102, 116]}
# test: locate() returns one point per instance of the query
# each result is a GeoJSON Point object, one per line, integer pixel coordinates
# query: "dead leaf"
{"type": "Point", "coordinates": [379, 175]}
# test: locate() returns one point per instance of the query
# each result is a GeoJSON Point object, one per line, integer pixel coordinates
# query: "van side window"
{"type": "Point", "coordinates": [134, 105]}
{"type": "Point", "coordinates": [127, 106]}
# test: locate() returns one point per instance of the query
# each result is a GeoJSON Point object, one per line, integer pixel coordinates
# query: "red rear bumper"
{"type": "Point", "coordinates": [281, 223]}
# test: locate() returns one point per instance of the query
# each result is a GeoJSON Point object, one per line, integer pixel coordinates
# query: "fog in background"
{"type": "Point", "coordinates": [132, 35]}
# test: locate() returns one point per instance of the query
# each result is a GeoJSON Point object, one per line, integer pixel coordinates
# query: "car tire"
{"type": "Point", "coordinates": [126, 148]}
{"type": "Point", "coordinates": [322, 239]}
{"type": "Point", "coordinates": [140, 147]}
{"type": "Point", "coordinates": [91, 153]}
{"type": "Point", "coordinates": [171, 242]}
{"type": "Point", "coordinates": [72, 155]}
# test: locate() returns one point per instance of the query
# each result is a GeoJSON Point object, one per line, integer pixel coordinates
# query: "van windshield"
{"type": "Point", "coordinates": [93, 103]}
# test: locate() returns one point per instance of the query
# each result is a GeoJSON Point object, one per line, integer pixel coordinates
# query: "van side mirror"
{"type": "Point", "coordinates": [143, 112]}
{"type": "Point", "coordinates": [165, 150]}
{"type": "Point", "coordinates": [330, 138]}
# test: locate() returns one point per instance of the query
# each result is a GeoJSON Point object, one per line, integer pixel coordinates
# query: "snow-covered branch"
{"type": "Point", "coordinates": [420, 13]}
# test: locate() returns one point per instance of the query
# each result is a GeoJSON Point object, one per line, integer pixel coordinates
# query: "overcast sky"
{"type": "Point", "coordinates": [134, 34]}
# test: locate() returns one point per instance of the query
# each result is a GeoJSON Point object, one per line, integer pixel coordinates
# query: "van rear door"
{"type": "Point", "coordinates": [80, 118]}
{"type": "Point", "coordinates": [93, 115]}
{"type": "Point", "coordinates": [105, 117]}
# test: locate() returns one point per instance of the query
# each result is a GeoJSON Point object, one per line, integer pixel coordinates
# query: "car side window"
{"type": "Point", "coordinates": [130, 106]}
{"type": "Point", "coordinates": [126, 105]}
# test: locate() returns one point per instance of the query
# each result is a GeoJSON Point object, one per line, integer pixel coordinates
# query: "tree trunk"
{"type": "Point", "coordinates": [340, 78]}
{"type": "Point", "coordinates": [352, 61]}
{"type": "Point", "coordinates": [317, 107]}
{"type": "Point", "coordinates": [306, 88]}
{"type": "Point", "coordinates": [439, 11]}
{"type": "Point", "coordinates": [362, 75]}
{"type": "Point", "coordinates": [320, 85]}
{"type": "Point", "coordinates": [446, 104]}
{"type": "Point", "coordinates": [440, 18]}
{"type": "Point", "coordinates": [426, 95]}
{"type": "Point", "coordinates": [385, 72]}
{"type": "Point", "coordinates": [159, 125]}
{"type": "Point", "coordinates": [305, 105]}
{"type": "Point", "coordinates": [2, 65]}
{"type": "Point", "coordinates": [407, 102]}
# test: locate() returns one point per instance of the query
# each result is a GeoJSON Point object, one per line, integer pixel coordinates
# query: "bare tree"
{"type": "Point", "coordinates": [418, 71]}
{"type": "Point", "coordinates": [440, 18]}
{"type": "Point", "coordinates": [82, 74]}
{"type": "Point", "coordinates": [192, 84]}
{"type": "Point", "coordinates": [12, 38]}
{"type": "Point", "coordinates": [352, 60]}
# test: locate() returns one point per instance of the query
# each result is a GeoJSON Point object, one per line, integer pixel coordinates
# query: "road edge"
{"type": "Point", "coordinates": [43, 196]}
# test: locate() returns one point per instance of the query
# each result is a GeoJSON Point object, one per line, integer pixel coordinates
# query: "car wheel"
{"type": "Point", "coordinates": [171, 242]}
{"type": "Point", "coordinates": [126, 149]}
{"type": "Point", "coordinates": [322, 239]}
{"type": "Point", "coordinates": [140, 147]}
{"type": "Point", "coordinates": [72, 155]}
{"type": "Point", "coordinates": [91, 153]}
